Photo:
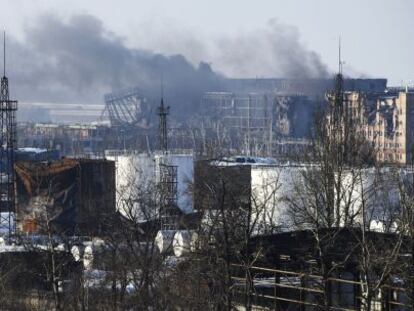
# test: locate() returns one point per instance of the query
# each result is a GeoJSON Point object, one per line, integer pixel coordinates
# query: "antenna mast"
{"type": "Point", "coordinates": [8, 110]}
{"type": "Point", "coordinates": [339, 58]}
{"type": "Point", "coordinates": [163, 112]}
{"type": "Point", "coordinates": [339, 80]}
{"type": "Point", "coordinates": [4, 53]}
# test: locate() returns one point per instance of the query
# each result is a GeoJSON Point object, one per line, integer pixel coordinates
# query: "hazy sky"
{"type": "Point", "coordinates": [377, 35]}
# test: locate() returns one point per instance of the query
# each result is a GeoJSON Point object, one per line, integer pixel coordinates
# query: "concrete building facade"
{"type": "Point", "coordinates": [387, 121]}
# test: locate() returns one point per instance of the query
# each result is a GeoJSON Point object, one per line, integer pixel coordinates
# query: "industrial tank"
{"type": "Point", "coordinates": [91, 252]}
{"type": "Point", "coordinates": [164, 240]}
{"type": "Point", "coordinates": [184, 242]}
{"type": "Point", "coordinates": [77, 252]}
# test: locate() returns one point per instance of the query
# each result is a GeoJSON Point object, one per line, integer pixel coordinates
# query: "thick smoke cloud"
{"type": "Point", "coordinates": [273, 51]}
{"type": "Point", "coordinates": [77, 61]}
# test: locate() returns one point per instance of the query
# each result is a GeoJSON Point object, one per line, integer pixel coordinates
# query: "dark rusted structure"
{"type": "Point", "coordinates": [221, 185]}
{"type": "Point", "coordinates": [70, 196]}
{"type": "Point", "coordinates": [287, 274]}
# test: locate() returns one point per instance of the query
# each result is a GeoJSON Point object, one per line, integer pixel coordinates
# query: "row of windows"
{"type": "Point", "coordinates": [390, 156]}
{"type": "Point", "coordinates": [390, 145]}
{"type": "Point", "coordinates": [378, 133]}
{"type": "Point", "coordinates": [398, 122]}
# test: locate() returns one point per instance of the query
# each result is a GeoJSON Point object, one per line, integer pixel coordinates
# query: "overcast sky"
{"type": "Point", "coordinates": [377, 35]}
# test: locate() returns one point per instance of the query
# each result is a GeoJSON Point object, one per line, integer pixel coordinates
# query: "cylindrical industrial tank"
{"type": "Point", "coordinates": [91, 251]}
{"type": "Point", "coordinates": [88, 255]}
{"type": "Point", "coordinates": [77, 252]}
{"type": "Point", "coordinates": [377, 226]}
{"type": "Point", "coordinates": [184, 242]}
{"type": "Point", "coordinates": [164, 240]}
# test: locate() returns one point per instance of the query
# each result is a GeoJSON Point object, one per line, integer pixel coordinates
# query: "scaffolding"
{"type": "Point", "coordinates": [168, 196]}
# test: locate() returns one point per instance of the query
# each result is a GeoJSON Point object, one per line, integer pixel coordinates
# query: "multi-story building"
{"type": "Point", "coordinates": [69, 139]}
{"type": "Point", "coordinates": [256, 122]}
{"type": "Point", "coordinates": [387, 120]}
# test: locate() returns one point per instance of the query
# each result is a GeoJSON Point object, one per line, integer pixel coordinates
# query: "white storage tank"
{"type": "Point", "coordinates": [77, 252]}
{"type": "Point", "coordinates": [88, 256]}
{"type": "Point", "coordinates": [91, 252]}
{"type": "Point", "coordinates": [135, 173]}
{"type": "Point", "coordinates": [185, 241]}
{"type": "Point", "coordinates": [164, 241]}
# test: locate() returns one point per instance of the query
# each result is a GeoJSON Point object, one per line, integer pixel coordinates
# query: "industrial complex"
{"type": "Point", "coordinates": [247, 202]}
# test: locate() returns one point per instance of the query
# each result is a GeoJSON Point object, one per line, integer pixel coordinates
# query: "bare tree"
{"type": "Point", "coordinates": [132, 269]}
{"type": "Point", "coordinates": [235, 210]}
{"type": "Point", "coordinates": [405, 227]}
{"type": "Point", "coordinates": [326, 192]}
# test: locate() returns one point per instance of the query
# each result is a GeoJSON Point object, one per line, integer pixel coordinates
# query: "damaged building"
{"type": "Point", "coordinates": [69, 196]}
{"type": "Point", "coordinates": [258, 121]}
{"type": "Point", "coordinates": [68, 139]}
{"type": "Point", "coordinates": [386, 120]}
{"type": "Point", "coordinates": [282, 115]}
{"type": "Point", "coordinates": [309, 87]}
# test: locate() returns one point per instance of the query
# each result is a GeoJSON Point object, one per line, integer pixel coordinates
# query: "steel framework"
{"type": "Point", "coordinates": [7, 147]}
{"type": "Point", "coordinates": [248, 117]}
{"type": "Point", "coordinates": [168, 195]}
{"type": "Point", "coordinates": [127, 108]}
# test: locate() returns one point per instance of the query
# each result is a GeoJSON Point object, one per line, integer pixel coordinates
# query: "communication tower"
{"type": "Point", "coordinates": [8, 110]}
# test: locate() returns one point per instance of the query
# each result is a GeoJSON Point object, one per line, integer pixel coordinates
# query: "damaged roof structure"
{"type": "Point", "coordinates": [69, 196]}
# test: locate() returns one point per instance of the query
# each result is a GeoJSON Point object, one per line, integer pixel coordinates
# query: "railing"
{"type": "Point", "coordinates": [271, 287]}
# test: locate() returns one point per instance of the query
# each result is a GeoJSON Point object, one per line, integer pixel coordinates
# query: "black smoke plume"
{"type": "Point", "coordinates": [79, 60]}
